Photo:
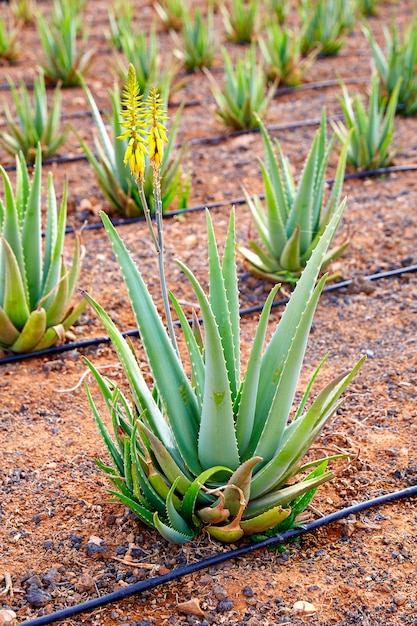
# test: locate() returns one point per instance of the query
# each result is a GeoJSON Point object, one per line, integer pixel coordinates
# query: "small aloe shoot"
{"type": "Point", "coordinates": [23, 10]}
{"type": "Point", "coordinates": [120, 20]}
{"type": "Point", "coordinates": [66, 57]}
{"type": "Point", "coordinates": [244, 97]}
{"type": "Point", "coordinates": [283, 59]}
{"type": "Point", "coordinates": [294, 217]}
{"type": "Point", "coordinates": [369, 133]}
{"type": "Point", "coordinates": [240, 20]}
{"type": "Point", "coordinates": [198, 41]}
{"type": "Point", "coordinates": [36, 287]}
{"type": "Point", "coordinates": [277, 10]}
{"type": "Point", "coordinates": [325, 24]}
{"type": "Point", "coordinates": [398, 62]}
{"type": "Point", "coordinates": [211, 450]}
{"type": "Point", "coordinates": [36, 123]}
{"type": "Point", "coordinates": [142, 51]}
{"type": "Point", "coordinates": [171, 13]}
{"type": "Point", "coordinates": [9, 40]}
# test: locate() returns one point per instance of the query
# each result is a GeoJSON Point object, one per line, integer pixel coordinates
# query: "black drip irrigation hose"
{"type": "Point", "coordinates": [216, 559]}
{"type": "Point", "coordinates": [87, 343]}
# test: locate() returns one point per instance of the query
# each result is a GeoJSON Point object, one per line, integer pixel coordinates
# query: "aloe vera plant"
{"type": "Point", "coordinates": [244, 95]}
{"type": "Point", "coordinates": [294, 217]}
{"type": "Point", "coordinates": [326, 24]}
{"type": "Point", "coordinates": [36, 287]}
{"type": "Point", "coordinates": [240, 20]}
{"type": "Point", "coordinates": [369, 133]}
{"type": "Point", "coordinates": [36, 122]}
{"type": "Point", "coordinates": [215, 450]}
{"type": "Point", "coordinates": [398, 62]}
{"type": "Point", "coordinates": [198, 41]}
{"type": "Point", "coordinates": [9, 40]}
{"type": "Point", "coordinates": [283, 59]}
{"type": "Point", "coordinates": [66, 58]}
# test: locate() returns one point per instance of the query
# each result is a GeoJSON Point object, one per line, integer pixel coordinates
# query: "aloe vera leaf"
{"type": "Point", "coordinates": [274, 223]}
{"type": "Point", "coordinates": [280, 343]}
{"type": "Point", "coordinates": [168, 465]}
{"type": "Point", "coordinates": [259, 218]}
{"type": "Point", "coordinates": [12, 215]}
{"type": "Point", "coordinates": [264, 521]}
{"type": "Point", "coordinates": [249, 386]}
{"type": "Point", "coordinates": [286, 495]}
{"type": "Point", "coordinates": [217, 443]}
{"type": "Point", "coordinates": [290, 256]}
{"type": "Point", "coordinates": [194, 352]}
{"type": "Point", "coordinates": [8, 331]}
{"type": "Point", "coordinates": [175, 518]}
{"type": "Point", "coordinates": [172, 535]}
{"type": "Point", "coordinates": [195, 492]}
{"type": "Point", "coordinates": [54, 335]}
{"type": "Point", "coordinates": [58, 305]}
{"type": "Point", "coordinates": [169, 376]}
{"type": "Point", "coordinates": [31, 333]}
{"type": "Point", "coordinates": [14, 297]}
{"type": "Point", "coordinates": [101, 128]}
{"type": "Point", "coordinates": [239, 485]}
{"type": "Point", "coordinates": [110, 445]}
{"type": "Point", "coordinates": [304, 431]}
{"type": "Point", "coordinates": [143, 514]}
{"type": "Point", "coordinates": [271, 173]}
{"type": "Point", "coordinates": [224, 300]}
{"type": "Point", "coordinates": [276, 418]}
{"type": "Point", "coordinates": [54, 262]}
{"type": "Point", "coordinates": [32, 235]}
{"type": "Point", "coordinates": [141, 393]}
{"type": "Point", "coordinates": [50, 230]}
{"type": "Point", "coordinates": [301, 209]}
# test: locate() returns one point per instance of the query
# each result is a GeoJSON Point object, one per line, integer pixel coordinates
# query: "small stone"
{"type": "Point", "coordinates": [303, 607]}
{"type": "Point", "coordinates": [205, 580]}
{"type": "Point", "coordinates": [7, 617]}
{"type": "Point", "coordinates": [191, 607]}
{"type": "Point", "coordinates": [248, 591]}
{"type": "Point", "coordinates": [220, 592]}
{"type": "Point", "coordinates": [85, 583]}
{"type": "Point", "coordinates": [225, 605]}
{"type": "Point", "coordinates": [37, 597]}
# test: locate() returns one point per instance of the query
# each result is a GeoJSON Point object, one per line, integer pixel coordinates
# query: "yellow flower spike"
{"type": "Point", "coordinates": [135, 123]}
{"type": "Point", "coordinates": [158, 132]}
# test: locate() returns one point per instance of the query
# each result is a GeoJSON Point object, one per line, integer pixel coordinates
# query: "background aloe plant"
{"type": "Point", "coordinates": [244, 95]}
{"type": "Point", "coordinates": [218, 452]}
{"type": "Point", "coordinates": [35, 285]}
{"type": "Point", "coordinates": [294, 217]}
{"type": "Point", "coordinates": [240, 20]}
{"type": "Point", "coordinates": [66, 58]}
{"type": "Point", "coordinates": [398, 62]}
{"type": "Point", "coordinates": [36, 122]}
{"type": "Point", "coordinates": [326, 24]}
{"type": "Point", "coordinates": [198, 41]}
{"type": "Point", "coordinates": [369, 133]}
{"type": "Point", "coordinates": [117, 182]}
{"type": "Point", "coordinates": [9, 40]}
{"type": "Point", "coordinates": [283, 59]}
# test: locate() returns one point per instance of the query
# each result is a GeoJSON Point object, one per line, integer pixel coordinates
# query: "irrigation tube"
{"type": "Point", "coordinates": [216, 559]}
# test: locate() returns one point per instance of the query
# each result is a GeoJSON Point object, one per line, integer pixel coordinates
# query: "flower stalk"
{"type": "Point", "coordinates": [146, 132]}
